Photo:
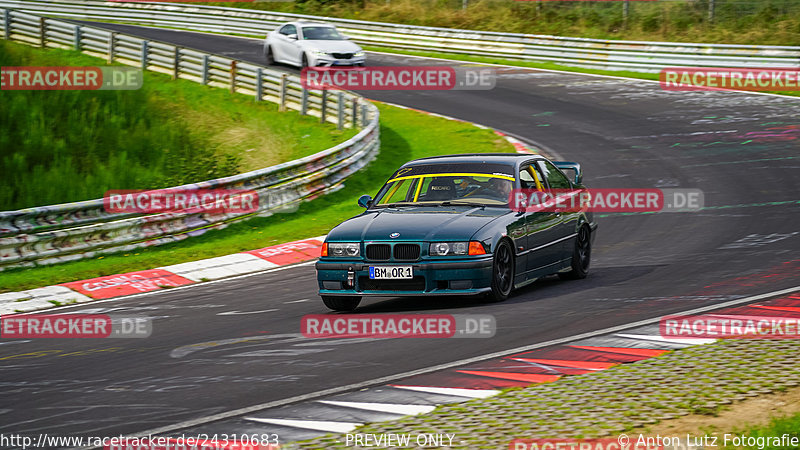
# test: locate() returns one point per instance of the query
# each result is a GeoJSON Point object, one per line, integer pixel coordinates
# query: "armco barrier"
{"type": "Point", "coordinates": [591, 53]}
{"type": "Point", "coordinates": [49, 234]}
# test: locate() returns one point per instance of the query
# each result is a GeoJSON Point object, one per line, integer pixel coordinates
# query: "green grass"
{"type": "Point", "coordinates": [768, 22]}
{"type": "Point", "coordinates": [775, 429]}
{"type": "Point", "coordinates": [64, 146]}
{"type": "Point", "coordinates": [405, 135]}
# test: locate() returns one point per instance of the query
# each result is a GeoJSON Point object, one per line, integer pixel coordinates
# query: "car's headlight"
{"type": "Point", "coordinates": [456, 248]}
{"type": "Point", "coordinates": [341, 249]}
{"type": "Point", "coordinates": [448, 248]}
{"type": "Point", "coordinates": [359, 54]}
{"type": "Point", "coordinates": [319, 53]}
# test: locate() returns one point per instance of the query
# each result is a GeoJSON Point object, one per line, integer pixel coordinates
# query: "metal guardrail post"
{"type": "Point", "coordinates": [354, 122]}
{"type": "Point", "coordinates": [304, 102]}
{"type": "Point", "coordinates": [282, 95]}
{"type": "Point", "coordinates": [711, 11]}
{"type": "Point", "coordinates": [7, 24]}
{"type": "Point", "coordinates": [233, 76]}
{"type": "Point", "coordinates": [626, 7]}
{"type": "Point", "coordinates": [324, 108]}
{"type": "Point", "coordinates": [42, 32]}
{"type": "Point", "coordinates": [204, 70]}
{"type": "Point", "coordinates": [76, 40]}
{"type": "Point", "coordinates": [176, 61]}
{"type": "Point", "coordinates": [340, 111]}
{"type": "Point", "coordinates": [145, 47]}
{"type": "Point", "coordinates": [111, 42]}
{"type": "Point", "coordinates": [364, 115]}
{"type": "Point", "coordinates": [259, 84]}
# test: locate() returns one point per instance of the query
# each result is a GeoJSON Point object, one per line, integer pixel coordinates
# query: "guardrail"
{"type": "Point", "coordinates": [579, 52]}
{"type": "Point", "coordinates": [49, 234]}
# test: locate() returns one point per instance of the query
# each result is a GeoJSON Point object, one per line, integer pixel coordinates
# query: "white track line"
{"type": "Point", "coordinates": [391, 408]}
{"type": "Point", "coordinates": [320, 425]}
{"type": "Point", "coordinates": [456, 392]}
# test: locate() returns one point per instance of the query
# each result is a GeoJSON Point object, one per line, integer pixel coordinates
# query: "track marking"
{"type": "Point", "coordinates": [456, 392]}
{"type": "Point", "coordinates": [392, 408]}
{"type": "Point", "coordinates": [320, 425]}
{"type": "Point", "coordinates": [462, 362]}
{"type": "Point", "coordinates": [236, 313]}
{"type": "Point", "coordinates": [656, 338]}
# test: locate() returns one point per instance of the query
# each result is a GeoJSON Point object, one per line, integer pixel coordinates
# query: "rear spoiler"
{"type": "Point", "coordinates": [567, 165]}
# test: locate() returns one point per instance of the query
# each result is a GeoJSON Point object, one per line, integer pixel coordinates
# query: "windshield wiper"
{"type": "Point", "coordinates": [458, 203]}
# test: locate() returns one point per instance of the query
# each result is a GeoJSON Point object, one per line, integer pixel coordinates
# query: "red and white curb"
{"type": "Point", "coordinates": [112, 286]}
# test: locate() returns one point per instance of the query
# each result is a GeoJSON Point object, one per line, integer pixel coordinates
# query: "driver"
{"type": "Point", "coordinates": [496, 188]}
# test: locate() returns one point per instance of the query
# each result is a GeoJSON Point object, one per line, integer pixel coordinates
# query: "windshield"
{"type": "Point", "coordinates": [474, 189]}
{"type": "Point", "coordinates": [321, 34]}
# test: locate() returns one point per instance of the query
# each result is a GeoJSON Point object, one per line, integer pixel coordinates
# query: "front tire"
{"type": "Point", "coordinates": [502, 272]}
{"type": "Point", "coordinates": [581, 256]}
{"type": "Point", "coordinates": [341, 303]}
{"type": "Point", "coordinates": [304, 61]}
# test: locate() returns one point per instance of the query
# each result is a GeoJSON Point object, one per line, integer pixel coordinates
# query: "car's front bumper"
{"type": "Point", "coordinates": [330, 61]}
{"type": "Point", "coordinates": [449, 277]}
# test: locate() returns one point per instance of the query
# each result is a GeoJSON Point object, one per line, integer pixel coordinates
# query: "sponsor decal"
{"type": "Point", "coordinates": [73, 78]}
{"type": "Point", "coordinates": [290, 253]}
{"type": "Point", "coordinates": [127, 284]}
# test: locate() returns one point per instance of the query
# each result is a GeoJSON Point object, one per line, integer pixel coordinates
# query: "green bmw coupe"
{"type": "Point", "coordinates": [445, 226]}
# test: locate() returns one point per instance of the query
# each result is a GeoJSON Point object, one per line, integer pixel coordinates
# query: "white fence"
{"type": "Point", "coordinates": [591, 53]}
{"type": "Point", "coordinates": [48, 234]}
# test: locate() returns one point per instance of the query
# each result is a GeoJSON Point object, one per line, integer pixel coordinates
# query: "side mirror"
{"type": "Point", "coordinates": [365, 201]}
{"type": "Point", "coordinates": [292, 37]}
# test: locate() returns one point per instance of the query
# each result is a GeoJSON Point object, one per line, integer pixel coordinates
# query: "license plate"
{"type": "Point", "coordinates": [390, 272]}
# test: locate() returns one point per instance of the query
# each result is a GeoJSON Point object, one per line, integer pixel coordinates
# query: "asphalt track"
{"type": "Point", "coordinates": [230, 344]}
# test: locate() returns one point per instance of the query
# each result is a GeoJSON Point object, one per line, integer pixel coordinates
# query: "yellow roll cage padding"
{"type": "Point", "coordinates": [449, 174]}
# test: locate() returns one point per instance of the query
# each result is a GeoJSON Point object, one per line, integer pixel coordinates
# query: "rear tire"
{"type": "Point", "coordinates": [269, 55]}
{"type": "Point", "coordinates": [341, 303]}
{"type": "Point", "coordinates": [502, 272]}
{"type": "Point", "coordinates": [581, 256]}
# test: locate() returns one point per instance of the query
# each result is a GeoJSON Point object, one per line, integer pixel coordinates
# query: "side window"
{"type": "Point", "coordinates": [527, 178]}
{"type": "Point", "coordinates": [554, 177]}
{"type": "Point", "coordinates": [288, 29]}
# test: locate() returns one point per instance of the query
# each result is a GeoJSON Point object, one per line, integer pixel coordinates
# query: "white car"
{"type": "Point", "coordinates": [308, 44]}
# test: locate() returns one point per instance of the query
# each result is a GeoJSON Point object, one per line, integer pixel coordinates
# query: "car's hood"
{"type": "Point", "coordinates": [457, 223]}
{"type": "Point", "coordinates": [343, 46]}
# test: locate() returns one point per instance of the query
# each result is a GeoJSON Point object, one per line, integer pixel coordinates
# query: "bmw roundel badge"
{"type": "Point", "coordinates": [394, 235]}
